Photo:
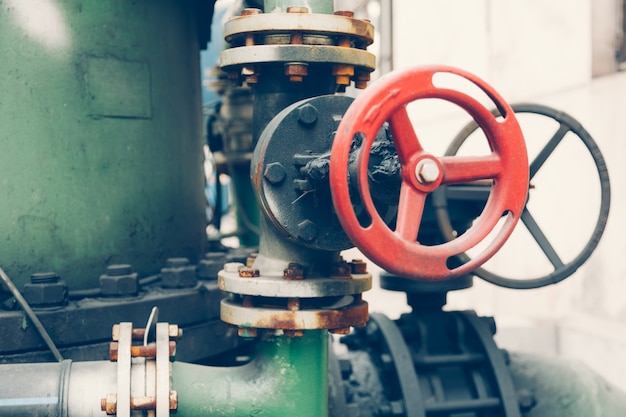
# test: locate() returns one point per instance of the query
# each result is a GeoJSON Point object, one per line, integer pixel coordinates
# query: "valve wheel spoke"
{"type": "Point", "coordinates": [541, 239]}
{"type": "Point", "coordinates": [407, 143]}
{"type": "Point", "coordinates": [548, 149]}
{"type": "Point", "coordinates": [459, 169]}
{"type": "Point", "coordinates": [410, 210]}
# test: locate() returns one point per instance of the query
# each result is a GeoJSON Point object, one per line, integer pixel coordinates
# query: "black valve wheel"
{"type": "Point", "coordinates": [568, 130]}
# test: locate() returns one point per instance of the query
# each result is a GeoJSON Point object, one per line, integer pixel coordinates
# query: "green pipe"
{"type": "Point", "coordinates": [288, 377]}
{"type": "Point", "coordinates": [315, 6]}
{"type": "Point", "coordinates": [101, 137]}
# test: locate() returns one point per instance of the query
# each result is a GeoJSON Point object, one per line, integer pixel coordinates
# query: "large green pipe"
{"type": "Point", "coordinates": [100, 137]}
{"type": "Point", "coordinates": [288, 377]}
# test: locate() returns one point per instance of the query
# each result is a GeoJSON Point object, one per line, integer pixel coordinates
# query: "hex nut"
{"type": "Point", "coordinates": [46, 290]}
{"type": "Point", "coordinates": [307, 230]}
{"type": "Point", "coordinates": [274, 173]}
{"type": "Point", "coordinates": [296, 71]}
{"type": "Point", "coordinates": [208, 268]}
{"type": "Point", "coordinates": [427, 171]}
{"type": "Point", "coordinates": [233, 267]}
{"type": "Point", "coordinates": [307, 114]}
{"type": "Point", "coordinates": [178, 274]}
{"type": "Point", "coordinates": [248, 272]}
{"type": "Point", "coordinates": [119, 281]}
{"type": "Point", "coordinates": [294, 271]}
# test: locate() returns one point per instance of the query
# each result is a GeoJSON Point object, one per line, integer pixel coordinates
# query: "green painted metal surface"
{"type": "Point", "coordinates": [288, 377]}
{"type": "Point", "coordinates": [315, 6]}
{"type": "Point", "coordinates": [100, 137]}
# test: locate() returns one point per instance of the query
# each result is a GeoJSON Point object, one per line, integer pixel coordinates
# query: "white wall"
{"type": "Point", "coordinates": [532, 50]}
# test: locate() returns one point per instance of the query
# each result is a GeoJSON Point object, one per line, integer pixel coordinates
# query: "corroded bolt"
{"type": "Point", "coordinates": [358, 266]}
{"type": "Point", "coordinates": [296, 71]}
{"type": "Point", "coordinates": [250, 11]}
{"type": "Point", "coordinates": [274, 173]}
{"type": "Point", "coordinates": [113, 351]}
{"type": "Point", "coordinates": [341, 270]}
{"type": "Point", "coordinates": [362, 78]}
{"type": "Point", "coordinates": [307, 114]}
{"type": "Point", "coordinates": [343, 73]}
{"type": "Point", "coordinates": [250, 259]}
{"type": "Point", "coordinates": [294, 271]}
{"type": "Point", "coordinates": [293, 304]}
{"type": "Point", "coordinates": [109, 404]}
{"type": "Point", "coordinates": [173, 400]}
{"type": "Point", "coordinates": [247, 301]}
{"type": "Point", "coordinates": [297, 9]}
{"type": "Point", "coordinates": [307, 230]}
{"type": "Point", "coordinates": [247, 272]}
{"type": "Point", "coordinates": [427, 171]}
{"type": "Point", "coordinates": [344, 13]}
{"type": "Point", "coordinates": [140, 351]}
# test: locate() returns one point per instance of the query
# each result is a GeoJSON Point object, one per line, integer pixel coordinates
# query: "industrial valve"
{"type": "Point", "coordinates": [399, 251]}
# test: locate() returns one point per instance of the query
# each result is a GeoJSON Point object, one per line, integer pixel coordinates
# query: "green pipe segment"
{"type": "Point", "coordinates": [288, 377]}
{"type": "Point", "coordinates": [101, 137]}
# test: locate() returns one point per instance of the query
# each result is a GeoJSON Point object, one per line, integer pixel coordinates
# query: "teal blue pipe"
{"type": "Point", "coordinates": [288, 377]}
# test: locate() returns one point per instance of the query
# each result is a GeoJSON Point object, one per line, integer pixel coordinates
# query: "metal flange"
{"type": "Point", "coordinates": [238, 28]}
{"type": "Point", "coordinates": [267, 286]}
{"type": "Point", "coordinates": [323, 54]}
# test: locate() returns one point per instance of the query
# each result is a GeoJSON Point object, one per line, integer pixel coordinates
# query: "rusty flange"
{"type": "Point", "coordinates": [296, 39]}
{"type": "Point", "coordinates": [237, 29]}
{"type": "Point", "coordinates": [263, 54]}
{"type": "Point", "coordinates": [354, 313]}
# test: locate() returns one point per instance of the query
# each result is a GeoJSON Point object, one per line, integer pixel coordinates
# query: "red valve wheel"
{"type": "Point", "coordinates": [398, 251]}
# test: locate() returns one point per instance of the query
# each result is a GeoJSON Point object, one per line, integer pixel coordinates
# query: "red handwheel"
{"type": "Point", "coordinates": [398, 251]}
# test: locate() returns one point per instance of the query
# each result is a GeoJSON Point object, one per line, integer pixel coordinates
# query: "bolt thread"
{"type": "Point", "coordinates": [44, 278]}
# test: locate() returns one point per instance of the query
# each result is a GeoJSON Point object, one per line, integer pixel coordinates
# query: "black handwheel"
{"type": "Point", "coordinates": [475, 193]}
